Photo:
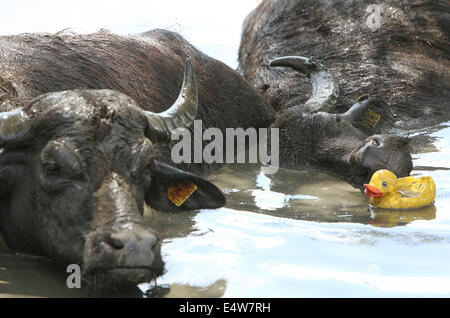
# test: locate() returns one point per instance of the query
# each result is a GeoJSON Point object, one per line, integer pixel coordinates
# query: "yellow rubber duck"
{"type": "Point", "coordinates": [389, 192]}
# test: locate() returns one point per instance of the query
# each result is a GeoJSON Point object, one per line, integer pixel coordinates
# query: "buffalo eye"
{"type": "Point", "coordinates": [60, 159]}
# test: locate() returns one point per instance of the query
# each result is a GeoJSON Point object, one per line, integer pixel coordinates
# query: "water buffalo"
{"type": "Point", "coordinates": [85, 122]}
{"type": "Point", "coordinates": [396, 50]}
{"type": "Point", "coordinates": [310, 137]}
{"type": "Point", "coordinates": [403, 61]}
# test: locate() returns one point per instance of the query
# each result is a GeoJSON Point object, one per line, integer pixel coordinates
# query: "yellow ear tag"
{"type": "Point", "coordinates": [179, 193]}
{"type": "Point", "coordinates": [371, 118]}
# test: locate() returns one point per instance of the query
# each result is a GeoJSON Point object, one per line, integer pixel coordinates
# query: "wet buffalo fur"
{"type": "Point", "coordinates": [147, 67]}
{"type": "Point", "coordinates": [74, 184]}
{"type": "Point", "coordinates": [405, 63]}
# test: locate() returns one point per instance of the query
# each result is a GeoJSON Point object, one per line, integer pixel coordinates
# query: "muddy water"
{"type": "Point", "coordinates": [291, 234]}
{"type": "Point", "coordinates": [306, 234]}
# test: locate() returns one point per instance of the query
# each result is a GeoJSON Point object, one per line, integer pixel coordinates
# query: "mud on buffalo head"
{"type": "Point", "coordinates": [77, 168]}
{"type": "Point", "coordinates": [311, 135]}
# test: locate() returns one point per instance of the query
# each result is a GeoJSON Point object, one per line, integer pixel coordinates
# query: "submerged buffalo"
{"type": "Point", "coordinates": [85, 123]}
{"type": "Point", "coordinates": [396, 50]}
{"type": "Point", "coordinates": [331, 142]}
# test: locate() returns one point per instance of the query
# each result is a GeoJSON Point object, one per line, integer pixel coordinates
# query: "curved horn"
{"type": "Point", "coordinates": [325, 88]}
{"type": "Point", "coordinates": [13, 125]}
{"type": "Point", "coordinates": [181, 114]}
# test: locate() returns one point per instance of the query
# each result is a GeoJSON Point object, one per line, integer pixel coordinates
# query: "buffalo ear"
{"type": "Point", "coordinates": [175, 190]}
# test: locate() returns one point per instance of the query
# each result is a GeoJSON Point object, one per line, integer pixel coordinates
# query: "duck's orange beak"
{"type": "Point", "coordinates": [372, 191]}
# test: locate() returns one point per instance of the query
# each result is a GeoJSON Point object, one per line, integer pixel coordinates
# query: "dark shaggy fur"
{"type": "Point", "coordinates": [73, 185]}
{"type": "Point", "coordinates": [148, 68]}
{"type": "Point", "coordinates": [405, 63]}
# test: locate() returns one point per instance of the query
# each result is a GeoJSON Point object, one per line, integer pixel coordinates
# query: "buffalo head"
{"type": "Point", "coordinates": [311, 135]}
{"type": "Point", "coordinates": [76, 170]}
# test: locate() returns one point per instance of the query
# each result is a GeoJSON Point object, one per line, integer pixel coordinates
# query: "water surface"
{"type": "Point", "coordinates": [307, 234]}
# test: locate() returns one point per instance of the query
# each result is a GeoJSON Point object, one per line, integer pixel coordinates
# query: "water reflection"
{"type": "Point", "coordinates": [266, 199]}
{"type": "Point", "coordinates": [214, 290]}
{"type": "Point", "coordinates": [423, 140]}
{"type": "Point", "coordinates": [22, 276]}
{"type": "Point", "coordinates": [170, 225]}
{"type": "Point", "coordinates": [260, 255]}
{"type": "Point", "coordinates": [303, 195]}
{"type": "Point", "coordinates": [390, 218]}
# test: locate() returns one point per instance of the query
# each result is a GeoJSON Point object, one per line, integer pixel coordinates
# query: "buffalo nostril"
{"type": "Point", "coordinates": [113, 242]}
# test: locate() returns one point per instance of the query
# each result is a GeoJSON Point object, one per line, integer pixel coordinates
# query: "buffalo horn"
{"type": "Point", "coordinates": [325, 88]}
{"type": "Point", "coordinates": [181, 114]}
{"type": "Point", "coordinates": [13, 125]}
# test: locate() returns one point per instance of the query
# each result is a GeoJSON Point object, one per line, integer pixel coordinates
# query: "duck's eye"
{"type": "Point", "coordinates": [384, 184]}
